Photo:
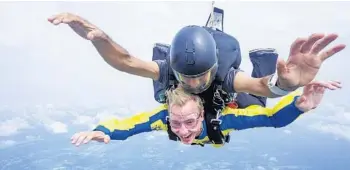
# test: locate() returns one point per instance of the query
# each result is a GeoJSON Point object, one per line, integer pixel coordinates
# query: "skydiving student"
{"type": "Point", "coordinates": [183, 115]}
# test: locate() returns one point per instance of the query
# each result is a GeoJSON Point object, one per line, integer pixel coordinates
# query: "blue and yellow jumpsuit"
{"type": "Point", "coordinates": [282, 114]}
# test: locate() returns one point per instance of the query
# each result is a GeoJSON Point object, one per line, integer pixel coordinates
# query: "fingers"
{"type": "Point", "coordinates": [319, 90]}
{"type": "Point", "coordinates": [315, 44]}
{"type": "Point", "coordinates": [281, 66]}
{"type": "Point", "coordinates": [55, 20]}
{"type": "Point", "coordinates": [79, 138]}
{"type": "Point", "coordinates": [107, 139]}
{"type": "Point", "coordinates": [328, 53]}
{"type": "Point", "coordinates": [86, 137]}
{"type": "Point", "coordinates": [296, 46]}
{"type": "Point", "coordinates": [50, 19]}
{"type": "Point", "coordinates": [331, 85]}
{"type": "Point", "coordinates": [308, 88]}
{"type": "Point", "coordinates": [306, 47]}
{"type": "Point", "coordinates": [335, 85]}
{"type": "Point", "coordinates": [322, 43]}
{"type": "Point", "coordinates": [75, 137]}
{"type": "Point", "coordinates": [62, 18]}
{"type": "Point", "coordinates": [67, 19]}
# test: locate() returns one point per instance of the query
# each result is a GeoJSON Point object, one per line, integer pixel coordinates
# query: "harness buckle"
{"type": "Point", "coordinates": [216, 121]}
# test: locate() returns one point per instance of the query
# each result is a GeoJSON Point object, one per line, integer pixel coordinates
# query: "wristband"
{"type": "Point", "coordinates": [272, 84]}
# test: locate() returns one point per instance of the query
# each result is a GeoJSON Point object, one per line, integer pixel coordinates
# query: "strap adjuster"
{"type": "Point", "coordinates": [215, 121]}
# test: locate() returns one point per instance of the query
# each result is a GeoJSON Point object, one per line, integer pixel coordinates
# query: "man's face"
{"type": "Point", "coordinates": [186, 121]}
{"type": "Point", "coordinates": [196, 85]}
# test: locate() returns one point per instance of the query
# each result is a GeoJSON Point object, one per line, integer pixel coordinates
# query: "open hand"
{"type": "Point", "coordinates": [313, 94]}
{"type": "Point", "coordinates": [79, 25]}
{"type": "Point", "coordinates": [305, 60]}
{"type": "Point", "coordinates": [85, 137]}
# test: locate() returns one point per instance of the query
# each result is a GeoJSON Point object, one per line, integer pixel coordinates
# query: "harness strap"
{"type": "Point", "coordinates": [213, 115]}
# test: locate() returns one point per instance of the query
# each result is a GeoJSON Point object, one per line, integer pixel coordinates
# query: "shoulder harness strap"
{"type": "Point", "coordinates": [213, 120]}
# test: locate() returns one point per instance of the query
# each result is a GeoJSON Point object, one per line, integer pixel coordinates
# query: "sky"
{"type": "Point", "coordinates": [45, 67]}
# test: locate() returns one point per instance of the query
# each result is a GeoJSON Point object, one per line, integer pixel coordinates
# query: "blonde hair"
{"type": "Point", "coordinates": [180, 97]}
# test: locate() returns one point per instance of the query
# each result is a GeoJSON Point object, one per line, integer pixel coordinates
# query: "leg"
{"type": "Point", "coordinates": [264, 63]}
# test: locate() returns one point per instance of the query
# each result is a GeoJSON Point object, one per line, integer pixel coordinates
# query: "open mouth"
{"type": "Point", "coordinates": [187, 137]}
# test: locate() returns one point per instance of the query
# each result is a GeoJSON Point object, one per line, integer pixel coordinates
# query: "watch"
{"type": "Point", "coordinates": [272, 84]}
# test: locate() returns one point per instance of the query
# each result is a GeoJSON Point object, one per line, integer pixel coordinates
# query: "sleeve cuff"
{"type": "Point", "coordinates": [163, 71]}
{"type": "Point", "coordinates": [230, 79]}
{"type": "Point", "coordinates": [295, 106]}
{"type": "Point", "coordinates": [102, 129]}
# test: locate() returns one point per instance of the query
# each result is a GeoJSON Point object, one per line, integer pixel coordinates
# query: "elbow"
{"type": "Point", "coordinates": [125, 63]}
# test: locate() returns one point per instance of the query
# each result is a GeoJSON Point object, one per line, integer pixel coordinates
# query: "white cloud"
{"type": "Point", "coordinates": [13, 126]}
{"type": "Point", "coordinates": [33, 138]}
{"type": "Point", "coordinates": [338, 130]}
{"type": "Point", "coordinates": [150, 137]}
{"type": "Point", "coordinates": [156, 134]}
{"type": "Point", "coordinates": [287, 131]}
{"type": "Point", "coordinates": [83, 120]}
{"type": "Point", "coordinates": [273, 159]}
{"type": "Point", "coordinates": [57, 127]}
{"type": "Point", "coordinates": [330, 119]}
{"type": "Point", "coordinates": [260, 168]}
{"type": "Point", "coordinates": [7, 143]}
{"type": "Point", "coordinates": [90, 120]}
{"type": "Point", "coordinates": [194, 165]}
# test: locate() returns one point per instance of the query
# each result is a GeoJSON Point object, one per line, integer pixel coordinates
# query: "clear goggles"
{"type": "Point", "coordinates": [197, 83]}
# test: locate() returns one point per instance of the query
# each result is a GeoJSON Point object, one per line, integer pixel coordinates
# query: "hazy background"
{"type": "Point", "coordinates": [54, 83]}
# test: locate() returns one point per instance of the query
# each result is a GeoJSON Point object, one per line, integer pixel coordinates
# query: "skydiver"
{"type": "Point", "coordinates": [183, 114]}
{"type": "Point", "coordinates": [200, 69]}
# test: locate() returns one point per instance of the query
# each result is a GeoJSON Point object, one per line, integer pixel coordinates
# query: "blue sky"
{"type": "Point", "coordinates": [45, 69]}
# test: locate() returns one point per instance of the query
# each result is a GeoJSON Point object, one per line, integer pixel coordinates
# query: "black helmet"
{"type": "Point", "coordinates": [193, 58]}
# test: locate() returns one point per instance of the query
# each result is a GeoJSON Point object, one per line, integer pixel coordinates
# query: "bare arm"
{"type": "Point", "coordinates": [114, 54]}
{"type": "Point", "coordinates": [120, 59]}
{"type": "Point", "coordinates": [259, 86]}
{"type": "Point", "coordinates": [256, 86]}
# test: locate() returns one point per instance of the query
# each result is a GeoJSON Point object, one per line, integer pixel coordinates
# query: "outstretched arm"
{"type": "Point", "coordinates": [113, 53]}
{"type": "Point", "coordinates": [143, 122]}
{"type": "Point", "coordinates": [288, 109]}
{"type": "Point", "coordinates": [304, 61]}
{"type": "Point", "coordinates": [121, 129]}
